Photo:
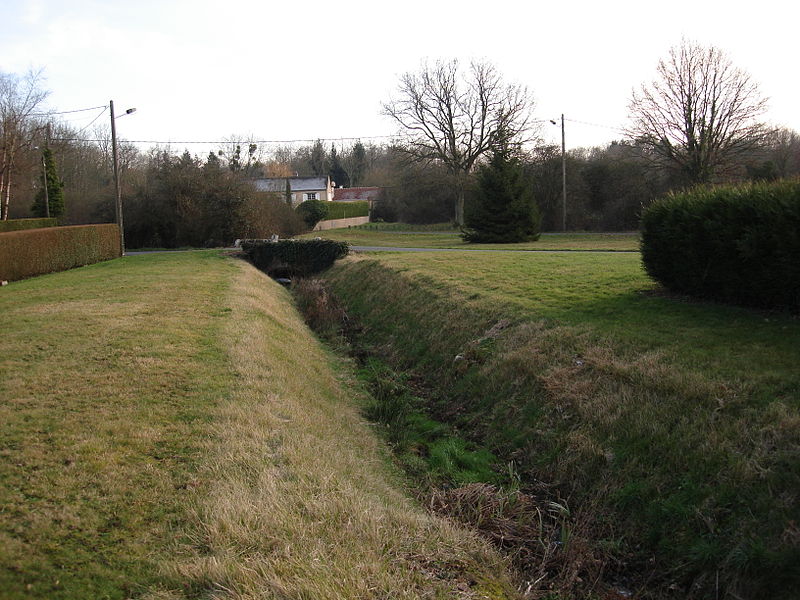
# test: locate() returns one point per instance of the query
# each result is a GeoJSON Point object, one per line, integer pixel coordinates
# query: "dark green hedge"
{"type": "Point", "coordinates": [294, 257]}
{"type": "Point", "coordinates": [37, 251]}
{"type": "Point", "coordinates": [20, 224]}
{"type": "Point", "coordinates": [737, 244]}
{"type": "Point", "coordinates": [347, 210]}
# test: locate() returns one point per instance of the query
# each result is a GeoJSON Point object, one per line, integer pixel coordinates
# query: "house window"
{"type": "Point", "coordinates": [311, 196]}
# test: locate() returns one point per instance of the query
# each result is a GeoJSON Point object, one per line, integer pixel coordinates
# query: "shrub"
{"type": "Point", "coordinates": [737, 244]}
{"type": "Point", "coordinates": [294, 257]}
{"type": "Point", "coordinates": [503, 209]}
{"type": "Point", "coordinates": [312, 212]}
{"type": "Point", "coordinates": [20, 224]}
{"type": "Point", "coordinates": [347, 210]}
{"type": "Point", "coordinates": [37, 251]}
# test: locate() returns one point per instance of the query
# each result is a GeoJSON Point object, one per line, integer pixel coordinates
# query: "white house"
{"type": "Point", "coordinates": [299, 188]}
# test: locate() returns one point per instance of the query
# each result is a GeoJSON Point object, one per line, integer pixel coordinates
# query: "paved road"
{"type": "Point", "coordinates": [546, 233]}
{"type": "Point", "coordinates": [398, 249]}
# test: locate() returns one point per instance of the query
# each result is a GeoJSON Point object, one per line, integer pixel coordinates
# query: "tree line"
{"type": "Point", "coordinates": [697, 122]}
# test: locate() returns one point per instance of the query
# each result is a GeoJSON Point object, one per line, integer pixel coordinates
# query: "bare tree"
{"type": "Point", "coordinates": [455, 118]}
{"type": "Point", "coordinates": [19, 99]}
{"type": "Point", "coordinates": [700, 114]}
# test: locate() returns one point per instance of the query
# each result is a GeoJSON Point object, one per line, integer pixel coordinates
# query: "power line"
{"type": "Point", "coordinates": [596, 125]}
{"type": "Point", "coordinates": [65, 112]}
{"type": "Point", "coordinates": [100, 114]}
{"type": "Point", "coordinates": [291, 141]}
{"type": "Point", "coordinates": [244, 141]}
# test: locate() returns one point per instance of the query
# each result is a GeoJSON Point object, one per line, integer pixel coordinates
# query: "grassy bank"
{"type": "Point", "coordinates": [171, 430]}
{"type": "Point", "coordinates": [409, 238]}
{"type": "Point", "coordinates": [671, 428]}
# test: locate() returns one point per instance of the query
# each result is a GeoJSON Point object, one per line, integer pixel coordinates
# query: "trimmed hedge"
{"type": "Point", "coordinates": [347, 210]}
{"type": "Point", "coordinates": [737, 244]}
{"type": "Point", "coordinates": [20, 224]}
{"type": "Point", "coordinates": [37, 251]}
{"type": "Point", "coordinates": [294, 257]}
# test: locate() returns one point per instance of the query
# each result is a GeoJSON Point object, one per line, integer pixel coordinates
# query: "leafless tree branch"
{"type": "Point", "coordinates": [454, 117]}
{"type": "Point", "coordinates": [700, 114]}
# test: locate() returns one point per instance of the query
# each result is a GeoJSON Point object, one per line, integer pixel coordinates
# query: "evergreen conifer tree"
{"type": "Point", "coordinates": [55, 189]}
{"type": "Point", "coordinates": [358, 164]}
{"type": "Point", "coordinates": [337, 172]}
{"type": "Point", "coordinates": [504, 208]}
{"type": "Point", "coordinates": [318, 160]}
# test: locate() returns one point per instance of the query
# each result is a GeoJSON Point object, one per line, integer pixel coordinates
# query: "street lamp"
{"type": "Point", "coordinates": [116, 173]}
{"type": "Point", "coordinates": [563, 175]}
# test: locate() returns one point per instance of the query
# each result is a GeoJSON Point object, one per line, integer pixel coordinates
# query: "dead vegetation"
{"type": "Point", "coordinates": [300, 502]}
{"type": "Point", "coordinates": [552, 549]}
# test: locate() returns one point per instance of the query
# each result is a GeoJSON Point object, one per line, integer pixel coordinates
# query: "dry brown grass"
{"type": "Point", "coordinates": [299, 502]}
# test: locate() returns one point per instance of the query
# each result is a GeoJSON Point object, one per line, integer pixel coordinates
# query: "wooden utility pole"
{"type": "Point", "coordinates": [563, 177]}
{"type": "Point", "coordinates": [116, 180]}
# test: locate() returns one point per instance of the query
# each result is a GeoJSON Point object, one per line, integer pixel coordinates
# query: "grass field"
{"type": "Point", "coordinates": [408, 238]}
{"type": "Point", "coordinates": [612, 294]}
{"type": "Point", "coordinates": [171, 430]}
{"type": "Point", "coordinates": [672, 426]}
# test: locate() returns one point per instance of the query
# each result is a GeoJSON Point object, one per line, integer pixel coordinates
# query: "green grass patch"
{"type": "Point", "coordinates": [428, 449]}
{"type": "Point", "coordinates": [110, 375]}
{"type": "Point", "coordinates": [415, 238]}
{"type": "Point", "coordinates": [612, 294]}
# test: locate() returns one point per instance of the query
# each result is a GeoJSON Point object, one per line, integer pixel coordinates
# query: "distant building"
{"type": "Point", "coordinates": [300, 188]}
{"type": "Point", "coordinates": [355, 194]}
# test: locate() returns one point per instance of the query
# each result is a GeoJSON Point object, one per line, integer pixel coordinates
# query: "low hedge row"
{"type": "Point", "coordinates": [37, 251]}
{"type": "Point", "coordinates": [347, 210]}
{"type": "Point", "coordinates": [737, 244]}
{"type": "Point", "coordinates": [294, 257]}
{"type": "Point", "coordinates": [20, 224]}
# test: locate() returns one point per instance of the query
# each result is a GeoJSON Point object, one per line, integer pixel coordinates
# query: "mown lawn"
{"type": "Point", "coordinates": [170, 429]}
{"type": "Point", "coordinates": [612, 294]}
{"type": "Point", "coordinates": [408, 238]}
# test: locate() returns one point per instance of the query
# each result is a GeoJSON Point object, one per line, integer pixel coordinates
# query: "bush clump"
{"type": "Point", "coordinates": [736, 244]}
{"type": "Point", "coordinates": [37, 251]}
{"type": "Point", "coordinates": [312, 212]}
{"type": "Point", "coordinates": [294, 257]}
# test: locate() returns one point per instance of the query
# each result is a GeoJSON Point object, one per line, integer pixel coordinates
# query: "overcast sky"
{"type": "Point", "coordinates": [199, 70]}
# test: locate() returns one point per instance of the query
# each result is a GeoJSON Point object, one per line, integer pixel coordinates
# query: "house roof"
{"type": "Point", "coordinates": [356, 193]}
{"type": "Point", "coordinates": [296, 184]}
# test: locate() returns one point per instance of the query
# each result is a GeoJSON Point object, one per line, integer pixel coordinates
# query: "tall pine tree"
{"type": "Point", "coordinates": [358, 164]}
{"type": "Point", "coordinates": [504, 209]}
{"type": "Point", "coordinates": [318, 161]}
{"type": "Point", "coordinates": [337, 172]}
{"type": "Point", "coordinates": [55, 188]}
